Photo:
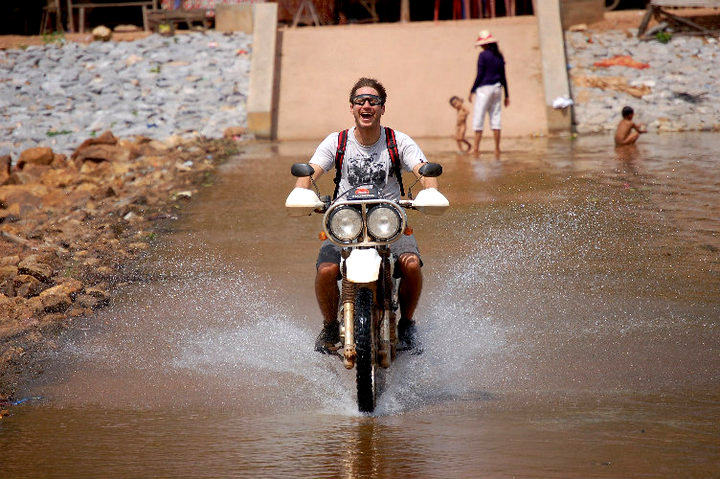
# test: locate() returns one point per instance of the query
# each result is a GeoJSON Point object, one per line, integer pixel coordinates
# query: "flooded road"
{"type": "Point", "coordinates": [570, 322]}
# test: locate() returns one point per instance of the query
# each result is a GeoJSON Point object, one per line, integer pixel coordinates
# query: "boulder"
{"type": "Point", "coordinates": [33, 266]}
{"type": "Point", "coordinates": [106, 138]}
{"type": "Point", "coordinates": [7, 307]}
{"type": "Point", "coordinates": [7, 279]}
{"type": "Point", "coordinates": [25, 198]}
{"type": "Point", "coordinates": [27, 286]}
{"type": "Point", "coordinates": [59, 178]}
{"type": "Point", "coordinates": [55, 300]}
{"type": "Point", "coordinates": [102, 33]}
{"type": "Point", "coordinates": [100, 153]}
{"type": "Point", "coordinates": [33, 171]}
{"type": "Point", "coordinates": [232, 132]}
{"type": "Point", "coordinates": [12, 260]}
{"type": "Point", "coordinates": [5, 163]}
{"type": "Point", "coordinates": [40, 155]}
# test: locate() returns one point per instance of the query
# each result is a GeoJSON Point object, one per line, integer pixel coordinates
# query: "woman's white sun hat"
{"type": "Point", "coordinates": [484, 37]}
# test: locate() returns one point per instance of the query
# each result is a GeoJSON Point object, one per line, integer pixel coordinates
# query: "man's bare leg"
{"type": "Point", "coordinates": [408, 297]}
{"type": "Point", "coordinates": [326, 291]}
{"type": "Point", "coordinates": [410, 284]}
{"type": "Point", "coordinates": [328, 296]}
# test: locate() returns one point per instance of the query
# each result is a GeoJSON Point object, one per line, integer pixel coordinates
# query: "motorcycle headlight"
{"type": "Point", "coordinates": [384, 223]}
{"type": "Point", "coordinates": [345, 224]}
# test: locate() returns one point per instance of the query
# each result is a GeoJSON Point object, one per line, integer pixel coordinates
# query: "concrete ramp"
{"type": "Point", "coordinates": [422, 64]}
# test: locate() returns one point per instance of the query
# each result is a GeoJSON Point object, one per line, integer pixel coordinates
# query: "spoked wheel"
{"type": "Point", "coordinates": [365, 348]}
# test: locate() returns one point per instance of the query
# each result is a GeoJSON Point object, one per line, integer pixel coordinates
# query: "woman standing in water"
{"type": "Point", "coordinates": [489, 82]}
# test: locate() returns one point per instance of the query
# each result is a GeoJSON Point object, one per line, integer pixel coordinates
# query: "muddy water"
{"type": "Point", "coordinates": [570, 320]}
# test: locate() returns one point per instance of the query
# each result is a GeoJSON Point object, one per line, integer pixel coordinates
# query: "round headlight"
{"type": "Point", "coordinates": [384, 223]}
{"type": "Point", "coordinates": [345, 224]}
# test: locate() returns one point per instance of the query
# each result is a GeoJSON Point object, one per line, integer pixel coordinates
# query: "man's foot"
{"type": "Point", "coordinates": [328, 339]}
{"type": "Point", "coordinates": [406, 336]}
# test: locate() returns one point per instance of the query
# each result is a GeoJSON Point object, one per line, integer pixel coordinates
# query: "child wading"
{"type": "Point", "coordinates": [461, 123]}
{"type": "Point", "coordinates": [628, 132]}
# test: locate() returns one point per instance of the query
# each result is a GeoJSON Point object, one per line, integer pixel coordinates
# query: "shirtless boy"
{"type": "Point", "coordinates": [460, 126]}
{"type": "Point", "coordinates": [624, 135]}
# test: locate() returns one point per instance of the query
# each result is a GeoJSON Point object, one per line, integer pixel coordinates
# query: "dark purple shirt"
{"type": "Point", "coordinates": [490, 70]}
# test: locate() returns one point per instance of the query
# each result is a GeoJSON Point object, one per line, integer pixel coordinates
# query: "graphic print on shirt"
{"type": "Point", "coordinates": [366, 170]}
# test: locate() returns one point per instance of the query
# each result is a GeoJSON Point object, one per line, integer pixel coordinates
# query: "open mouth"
{"type": "Point", "coordinates": [367, 115]}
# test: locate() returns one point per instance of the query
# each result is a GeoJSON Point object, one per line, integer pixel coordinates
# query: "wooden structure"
{"type": "Point", "coordinates": [172, 18]}
{"type": "Point", "coordinates": [660, 11]}
{"type": "Point", "coordinates": [52, 8]}
{"type": "Point", "coordinates": [307, 18]}
{"type": "Point", "coordinates": [81, 6]}
{"type": "Point", "coordinates": [477, 8]}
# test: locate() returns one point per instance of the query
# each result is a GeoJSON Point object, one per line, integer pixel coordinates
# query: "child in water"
{"type": "Point", "coordinates": [624, 135]}
{"type": "Point", "coordinates": [461, 123]}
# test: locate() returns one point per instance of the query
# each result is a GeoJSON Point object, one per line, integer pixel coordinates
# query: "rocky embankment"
{"type": "Point", "coordinates": [671, 86]}
{"type": "Point", "coordinates": [102, 145]}
{"type": "Point", "coordinates": [69, 225]}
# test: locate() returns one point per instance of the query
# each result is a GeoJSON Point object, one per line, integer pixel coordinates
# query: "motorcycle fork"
{"type": "Point", "coordinates": [348, 290]}
{"type": "Point", "coordinates": [387, 342]}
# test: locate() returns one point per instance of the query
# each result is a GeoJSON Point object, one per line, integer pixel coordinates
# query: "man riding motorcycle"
{"type": "Point", "coordinates": [367, 160]}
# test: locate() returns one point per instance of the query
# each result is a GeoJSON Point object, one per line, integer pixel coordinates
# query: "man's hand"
{"type": "Point", "coordinates": [425, 181]}
{"type": "Point", "coordinates": [305, 181]}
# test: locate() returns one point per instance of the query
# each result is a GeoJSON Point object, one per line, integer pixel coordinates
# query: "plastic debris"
{"type": "Point", "coordinates": [622, 61]}
{"type": "Point", "coordinates": [562, 102]}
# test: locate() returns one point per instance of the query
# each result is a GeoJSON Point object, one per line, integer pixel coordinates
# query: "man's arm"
{"type": "Point", "coordinates": [304, 182]}
{"type": "Point", "coordinates": [426, 181]}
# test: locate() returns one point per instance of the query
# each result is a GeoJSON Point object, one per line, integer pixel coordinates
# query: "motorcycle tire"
{"type": "Point", "coordinates": [364, 346]}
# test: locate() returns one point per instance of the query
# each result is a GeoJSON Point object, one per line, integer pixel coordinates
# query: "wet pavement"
{"type": "Point", "coordinates": [570, 322]}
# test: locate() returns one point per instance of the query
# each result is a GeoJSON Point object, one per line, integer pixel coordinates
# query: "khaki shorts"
{"type": "Point", "coordinates": [330, 252]}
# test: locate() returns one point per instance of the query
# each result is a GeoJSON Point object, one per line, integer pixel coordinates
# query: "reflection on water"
{"type": "Point", "coordinates": [571, 298]}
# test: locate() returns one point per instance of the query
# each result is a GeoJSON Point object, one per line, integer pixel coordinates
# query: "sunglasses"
{"type": "Point", "coordinates": [360, 100]}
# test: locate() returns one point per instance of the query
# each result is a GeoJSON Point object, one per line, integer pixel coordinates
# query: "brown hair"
{"type": "Point", "coordinates": [372, 83]}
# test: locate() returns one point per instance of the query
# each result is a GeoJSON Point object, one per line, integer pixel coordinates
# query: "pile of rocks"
{"type": "Point", "coordinates": [70, 224]}
{"type": "Point", "coordinates": [59, 94]}
{"type": "Point", "coordinates": [676, 91]}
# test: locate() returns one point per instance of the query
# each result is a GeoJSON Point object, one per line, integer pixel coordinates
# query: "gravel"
{"type": "Point", "coordinates": [58, 95]}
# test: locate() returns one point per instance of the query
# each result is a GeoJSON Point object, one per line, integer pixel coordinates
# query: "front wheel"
{"type": "Point", "coordinates": [365, 348]}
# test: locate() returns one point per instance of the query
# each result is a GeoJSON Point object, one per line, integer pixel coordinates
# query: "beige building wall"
{"type": "Point", "coordinates": [421, 64]}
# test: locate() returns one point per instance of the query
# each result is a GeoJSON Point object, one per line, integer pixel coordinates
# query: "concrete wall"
{"type": "Point", "coordinates": [573, 12]}
{"type": "Point", "coordinates": [421, 64]}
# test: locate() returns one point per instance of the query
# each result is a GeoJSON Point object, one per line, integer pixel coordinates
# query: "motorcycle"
{"type": "Point", "coordinates": [364, 225]}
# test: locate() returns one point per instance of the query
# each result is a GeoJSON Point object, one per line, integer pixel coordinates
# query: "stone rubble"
{"type": "Point", "coordinates": [58, 95]}
{"type": "Point", "coordinates": [678, 92]}
{"type": "Point", "coordinates": [71, 226]}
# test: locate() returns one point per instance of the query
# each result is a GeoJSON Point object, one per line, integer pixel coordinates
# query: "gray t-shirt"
{"type": "Point", "coordinates": [365, 165]}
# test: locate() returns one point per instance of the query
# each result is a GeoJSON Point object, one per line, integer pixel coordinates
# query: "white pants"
{"type": "Point", "coordinates": [488, 99]}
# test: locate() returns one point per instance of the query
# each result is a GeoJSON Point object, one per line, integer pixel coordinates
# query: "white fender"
{"type": "Point", "coordinates": [302, 202]}
{"type": "Point", "coordinates": [363, 266]}
{"type": "Point", "coordinates": [430, 201]}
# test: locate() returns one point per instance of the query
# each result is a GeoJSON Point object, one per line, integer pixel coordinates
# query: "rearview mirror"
{"type": "Point", "coordinates": [431, 170]}
{"type": "Point", "coordinates": [302, 170]}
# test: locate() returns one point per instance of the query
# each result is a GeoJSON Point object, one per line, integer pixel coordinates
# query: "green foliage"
{"type": "Point", "coordinates": [51, 133]}
{"type": "Point", "coordinates": [663, 37]}
{"type": "Point", "coordinates": [57, 38]}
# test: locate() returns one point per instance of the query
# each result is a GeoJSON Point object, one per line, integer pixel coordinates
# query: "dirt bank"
{"type": "Point", "coordinates": [70, 226]}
